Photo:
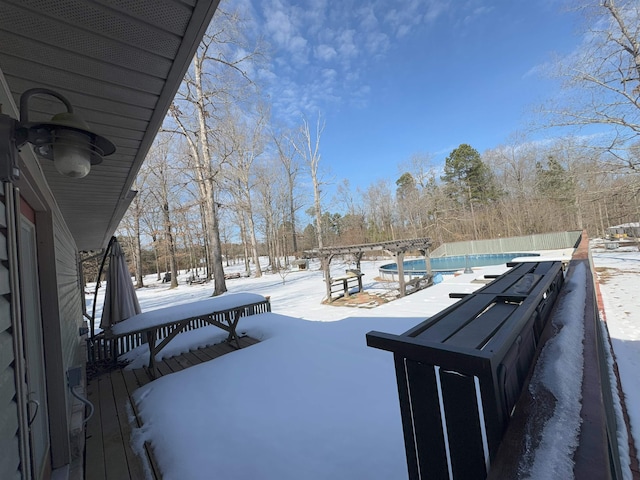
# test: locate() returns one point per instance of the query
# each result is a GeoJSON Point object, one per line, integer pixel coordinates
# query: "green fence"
{"type": "Point", "coordinates": [544, 241]}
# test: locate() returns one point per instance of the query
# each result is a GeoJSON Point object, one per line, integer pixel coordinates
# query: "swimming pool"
{"type": "Point", "coordinates": [452, 264]}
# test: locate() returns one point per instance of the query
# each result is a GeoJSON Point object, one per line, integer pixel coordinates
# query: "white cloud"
{"type": "Point", "coordinates": [477, 13]}
{"type": "Point", "coordinates": [377, 43]}
{"type": "Point", "coordinates": [329, 74]}
{"type": "Point", "coordinates": [325, 52]}
{"type": "Point", "coordinates": [325, 49]}
{"type": "Point", "coordinates": [347, 46]}
{"type": "Point", "coordinates": [367, 18]}
{"type": "Point", "coordinates": [283, 27]}
{"type": "Point", "coordinates": [279, 27]}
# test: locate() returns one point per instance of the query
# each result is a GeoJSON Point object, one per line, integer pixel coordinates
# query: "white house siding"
{"type": "Point", "coordinates": [9, 424]}
{"type": "Point", "coordinates": [70, 300]}
{"type": "Point", "coordinates": [61, 297]}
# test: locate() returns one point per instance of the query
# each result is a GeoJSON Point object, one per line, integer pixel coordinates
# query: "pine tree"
{"type": "Point", "coordinates": [467, 178]}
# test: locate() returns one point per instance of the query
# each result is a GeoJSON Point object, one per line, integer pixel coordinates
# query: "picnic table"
{"type": "Point", "coordinates": [195, 278]}
{"type": "Point", "coordinates": [160, 326]}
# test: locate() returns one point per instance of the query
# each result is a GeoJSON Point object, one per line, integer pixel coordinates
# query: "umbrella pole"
{"type": "Point", "coordinates": [95, 294]}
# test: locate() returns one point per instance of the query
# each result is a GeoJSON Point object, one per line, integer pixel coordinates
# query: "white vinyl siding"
{"type": "Point", "coordinates": [70, 300]}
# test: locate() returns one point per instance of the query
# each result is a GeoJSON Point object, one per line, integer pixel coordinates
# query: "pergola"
{"type": "Point", "coordinates": [397, 248]}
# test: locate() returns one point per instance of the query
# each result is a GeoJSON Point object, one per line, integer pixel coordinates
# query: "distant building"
{"type": "Point", "coordinates": [625, 230]}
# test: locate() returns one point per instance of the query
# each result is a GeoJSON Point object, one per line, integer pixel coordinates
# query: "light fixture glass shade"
{"type": "Point", "coordinates": [65, 139]}
{"type": "Point", "coordinates": [71, 153]}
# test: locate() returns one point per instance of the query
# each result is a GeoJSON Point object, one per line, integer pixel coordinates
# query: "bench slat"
{"type": "Point", "coordinates": [467, 310]}
{"type": "Point", "coordinates": [477, 333]}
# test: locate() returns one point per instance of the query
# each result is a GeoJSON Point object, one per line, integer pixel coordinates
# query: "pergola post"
{"type": "Point", "coordinates": [326, 262]}
{"type": "Point", "coordinates": [427, 260]}
{"type": "Point", "coordinates": [400, 263]}
{"type": "Point", "coordinates": [358, 257]}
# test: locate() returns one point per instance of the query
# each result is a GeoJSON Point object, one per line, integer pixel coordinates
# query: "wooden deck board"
{"type": "Point", "coordinates": [173, 364]}
{"type": "Point", "coordinates": [142, 376]}
{"type": "Point", "coordinates": [134, 379]}
{"type": "Point", "coordinates": [116, 466]}
{"type": "Point", "coordinates": [108, 435]}
{"type": "Point", "coordinates": [189, 359]}
{"type": "Point", "coordinates": [220, 348]}
{"type": "Point", "coordinates": [163, 369]}
{"type": "Point", "coordinates": [247, 341]}
{"type": "Point", "coordinates": [95, 461]}
{"type": "Point", "coordinates": [202, 354]}
{"type": "Point", "coordinates": [120, 390]}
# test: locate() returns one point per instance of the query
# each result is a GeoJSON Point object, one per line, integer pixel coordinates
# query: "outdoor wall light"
{"type": "Point", "coordinates": [65, 139]}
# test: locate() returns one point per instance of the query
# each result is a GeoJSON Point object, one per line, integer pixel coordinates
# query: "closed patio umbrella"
{"type": "Point", "coordinates": [120, 301]}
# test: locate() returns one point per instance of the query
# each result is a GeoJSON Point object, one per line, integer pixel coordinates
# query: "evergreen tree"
{"type": "Point", "coordinates": [467, 178]}
{"type": "Point", "coordinates": [406, 187]}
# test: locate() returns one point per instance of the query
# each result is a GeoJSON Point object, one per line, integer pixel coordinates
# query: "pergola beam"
{"type": "Point", "coordinates": [393, 246]}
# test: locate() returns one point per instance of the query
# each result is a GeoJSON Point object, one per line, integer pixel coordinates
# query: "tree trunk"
{"type": "Point", "coordinates": [139, 277]}
{"type": "Point", "coordinates": [173, 268]}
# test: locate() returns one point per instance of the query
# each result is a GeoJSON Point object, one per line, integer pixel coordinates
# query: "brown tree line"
{"type": "Point", "coordinates": [224, 183]}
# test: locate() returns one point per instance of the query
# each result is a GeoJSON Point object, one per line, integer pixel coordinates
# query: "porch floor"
{"type": "Point", "coordinates": [109, 455]}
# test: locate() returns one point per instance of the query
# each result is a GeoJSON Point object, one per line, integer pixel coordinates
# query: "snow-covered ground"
{"type": "Point", "coordinates": [311, 400]}
{"type": "Point", "coordinates": [618, 274]}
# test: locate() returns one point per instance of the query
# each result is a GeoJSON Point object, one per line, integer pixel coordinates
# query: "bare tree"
{"type": "Point", "coordinates": [247, 137]}
{"type": "Point", "coordinates": [136, 210]}
{"type": "Point", "coordinates": [602, 79]}
{"type": "Point", "coordinates": [218, 77]}
{"type": "Point", "coordinates": [161, 186]}
{"type": "Point", "coordinates": [307, 145]}
{"type": "Point", "coordinates": [513, 165]}
{"type": "Point", "coordinates": [288, 158]}
{"type": "Point", "coordinates": [270, 201]}
{"type": "Point", "coordinates": [381, 212]}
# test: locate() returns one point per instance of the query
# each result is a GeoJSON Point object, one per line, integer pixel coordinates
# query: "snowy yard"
{"type": "Point", "coordinates": [619, 277]}
{"type": "Point", "coordinates": [311, 400]}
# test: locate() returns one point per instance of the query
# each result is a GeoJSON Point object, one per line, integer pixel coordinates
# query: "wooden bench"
{"type": "Point", "coordinates": [418, 283]}
{"type": "Point", "coordinates": [197, 280]}
{"type": "Point", "coordinates": [158, 327]}
{"type": "Point", "coordinates": [343, 283]}
{"type": "Point", "coordinates": [461, 372]}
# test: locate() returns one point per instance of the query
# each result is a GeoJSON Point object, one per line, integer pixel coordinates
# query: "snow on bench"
{"type": "Point", "coordinates": [169, 315]}
{"type": "Point", "coordinates": [164, 324]}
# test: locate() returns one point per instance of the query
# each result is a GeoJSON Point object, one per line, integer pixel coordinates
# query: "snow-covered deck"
{"type": "Point", "coordinates": [110, 429]}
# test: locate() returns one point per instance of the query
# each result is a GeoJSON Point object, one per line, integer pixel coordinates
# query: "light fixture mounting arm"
{"type": "Point", "coordinates": [24, 102]}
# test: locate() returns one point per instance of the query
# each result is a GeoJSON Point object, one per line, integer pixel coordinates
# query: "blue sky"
{"type": "Point", "coordinates": [395, 78]}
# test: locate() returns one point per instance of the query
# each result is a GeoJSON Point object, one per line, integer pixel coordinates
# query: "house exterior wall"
{"type": "Point", "coordinates": [61, 317]}
{"type": "Point", "coordinates": [625, 230]}
{"type": "Point", "coordinates": [9, 420]}
{"type": "Point", "coordinates": [70, 297]}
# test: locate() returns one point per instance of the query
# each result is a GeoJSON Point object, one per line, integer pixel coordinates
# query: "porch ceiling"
{"type": "Point", "coordinates": [119, 62]}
